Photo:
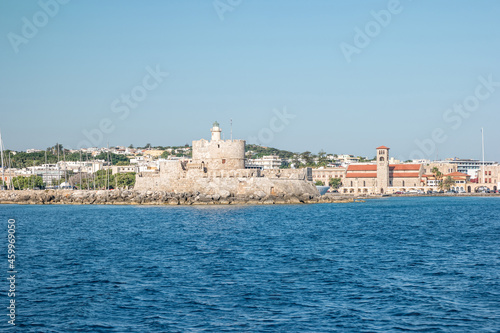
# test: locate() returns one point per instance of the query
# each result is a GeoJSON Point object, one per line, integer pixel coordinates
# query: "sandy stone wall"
{"type": "Point", "coordinates": [234, 185]}
{"type": "Point", "coordinates": [220, 155]}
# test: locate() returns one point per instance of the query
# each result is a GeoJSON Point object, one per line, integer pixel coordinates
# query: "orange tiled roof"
{"type": "Point", "coordinates": [362, 167]}
{"type": "Point", "coordinates": [361, 175]}
{"type": "Point", "coordinates": [456, 173]}
{"type": "Point", "coordinates": [404, 167]}
{"type": "Point", "coordinates": [383, 147]}
{"type": "Point", "coordinates": [392, 167]}
{"type": "Point", "coordinates": [404, 174]}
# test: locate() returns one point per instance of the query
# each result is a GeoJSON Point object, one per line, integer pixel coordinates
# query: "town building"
{"type": "Point", "coordinates": [442, 167]}
{"type": "Point", "coordinates": [153, 153]}
{"type": "Point", "coordinates": [468, 166]}
{"type": "Point", "coordinates": [264, 163]}
{"type": "Point", "coordinates": [460, 179]}
{"type": "Point", "coordinates": [382, 177]}
{"type": "Point", "coordinates": [325, 174]}
{"type": "Point", "coordinates": [81, 166]}
{"type": "Point", "coordinates": [488, 178]}
{"type": "Point", "coordinates": [124, 169]}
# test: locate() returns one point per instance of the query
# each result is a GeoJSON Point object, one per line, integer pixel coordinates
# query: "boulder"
{"type": "Point", "coordinates": [224, 194]}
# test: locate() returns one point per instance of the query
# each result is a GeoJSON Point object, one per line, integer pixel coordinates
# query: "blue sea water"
{"type": "Point", "coordinates": [386, 265]}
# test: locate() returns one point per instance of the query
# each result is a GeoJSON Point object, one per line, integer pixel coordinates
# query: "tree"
{"type": "Point", "coordinates": [57, 147]}
{"type": "Point", "coordinates": [435, 171]}
{"type": "Point", "coordinates": [438, 175]}
{"type": "Point", "coordinates": [335, 183]}
{"type": "Point", "coordinates": [124, 180]}
{"type": "Point", "coordinates": [148, 145]}
{"type": "Point", "coordinates": [319, 183]}
{"type": "Point", "coordinates": [22, 183]}
{"type": "Point", "coordinates": [114, 158]}
{"type": "Point", "coordinates": [131, 146]}
{"type": "Point", "coordinates": [322, 160]}
{"type": "Point", "coordinates": [447, 183]}
{"type": "Point", "coordinates": [307, 156]}
{"type": "Point", "coordinates": [165, 154]}
{"type": "Point", "coordinates": [296, 163]}
{"type": "Point", "coordinates": [285, 165]}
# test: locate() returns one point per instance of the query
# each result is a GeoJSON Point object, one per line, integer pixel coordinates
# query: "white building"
{"type": "Point", "coordinates": [81, 166]}
{"type": "Point", "coordinates": [468, 166]}
{"type": "Point", "coordinates": [264, 163]}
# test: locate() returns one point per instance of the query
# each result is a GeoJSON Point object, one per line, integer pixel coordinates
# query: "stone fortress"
{"type": "Point", "coordinates": [217, 167]}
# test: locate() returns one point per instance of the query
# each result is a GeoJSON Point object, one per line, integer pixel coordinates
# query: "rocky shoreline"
{"type": "Point", "coordinates": [134, 197]}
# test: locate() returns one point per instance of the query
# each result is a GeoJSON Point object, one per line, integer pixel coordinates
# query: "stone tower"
{"type": "Point", "coordinates": [382, 169]}
{"type": "Point", "coordinates": [218, 154]}
{"type": "Point", "coordinates": [216, 131]}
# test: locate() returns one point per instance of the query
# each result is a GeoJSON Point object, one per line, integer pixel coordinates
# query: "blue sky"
{"type": "Point", "coordinates": [247, 61]}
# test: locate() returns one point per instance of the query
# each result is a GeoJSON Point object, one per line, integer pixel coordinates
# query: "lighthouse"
{"type": "Point", "coordinates": [215, 132]}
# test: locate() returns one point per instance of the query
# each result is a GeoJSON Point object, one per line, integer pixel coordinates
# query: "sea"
{"type": "Point", "coordinates": [420, 264]}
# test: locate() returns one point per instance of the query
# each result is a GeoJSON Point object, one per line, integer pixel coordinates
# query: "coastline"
{"type": "Point", "coordinates": [158, 198]}
{"type": "Point", "coordinates": [135, 197]}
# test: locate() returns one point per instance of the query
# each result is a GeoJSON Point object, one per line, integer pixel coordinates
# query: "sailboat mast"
{"type": "Point", "coordinates": [87, 165]}
{"type": "Point", "coordinates": [482, 140]}
{"type": "Point", "coordinates": [107, 170]}
{"type": "Point", "coordinates": [64, 157]}
{"type": "Point", "coordinates": [11, 183]}
{"type": "Point", "coordinates": [80, 169]}
{"type": "Point", "coordinates": [58, 166]}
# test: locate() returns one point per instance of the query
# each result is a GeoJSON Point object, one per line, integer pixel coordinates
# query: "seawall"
{"type": "Point", "coordinates": [137, 197]}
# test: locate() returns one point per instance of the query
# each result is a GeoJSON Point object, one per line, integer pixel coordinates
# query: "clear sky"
{"type": "Point", "coordinates": [342, 76]}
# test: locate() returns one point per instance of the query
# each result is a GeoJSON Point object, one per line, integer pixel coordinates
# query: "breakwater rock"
{"type": "Point", "coordinates": [134, 197]}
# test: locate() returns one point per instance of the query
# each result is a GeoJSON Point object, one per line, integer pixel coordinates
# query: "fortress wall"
{"type": "Point", "coordinates": [238, 173]}
{"type": "Point", "coordinates": [200, 150]}
{"type": "Point", "coordinates": [286, 173]}
{"type": "Point", "coordinates": [171, 169]}
{"type": "Point", "coordinates": [220, 155]}
{"type": "Point", "coordinates": [233, 185]}
{"type": "Point", "coordinates": [147, 181]}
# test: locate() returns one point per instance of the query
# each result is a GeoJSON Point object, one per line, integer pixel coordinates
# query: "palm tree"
{"type": "Point", "coordinates": [438, 175]}
{"type": "Point", "coordinates": [448, 182]}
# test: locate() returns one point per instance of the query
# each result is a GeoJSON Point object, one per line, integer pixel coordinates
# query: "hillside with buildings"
{"type": "Point", "coordinates": [117, 167]}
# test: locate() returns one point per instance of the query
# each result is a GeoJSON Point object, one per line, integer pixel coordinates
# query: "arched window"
{"type": "Point", "coordinates": [381, 158]}
{"type": "Point", "coordinates": [364, 183]}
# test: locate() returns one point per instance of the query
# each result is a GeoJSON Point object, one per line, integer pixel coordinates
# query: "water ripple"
{"type": "Point", "coordinates": [404, 264]}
